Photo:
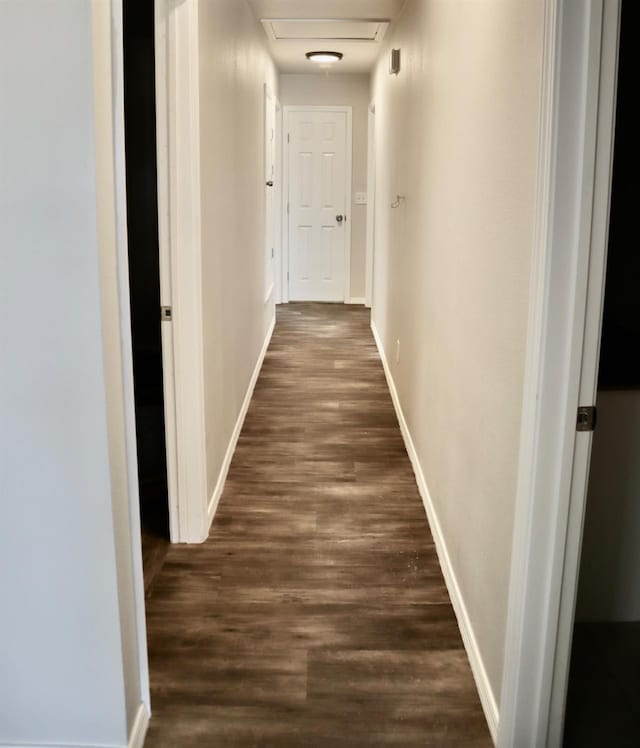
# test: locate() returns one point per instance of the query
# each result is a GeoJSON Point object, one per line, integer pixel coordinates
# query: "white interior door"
{"type": "Point", "coordinates": [318, 195]}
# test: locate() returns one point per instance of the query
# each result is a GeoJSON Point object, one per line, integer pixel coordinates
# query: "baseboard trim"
{"type": "Point", "coordinates": [140, 727]}
{"type": "Point", "coordinates": [226, 464]}
{"type": "Point", "coordinates": [485, 691]}
{"type": "Point", "coordinates": [356, 300]}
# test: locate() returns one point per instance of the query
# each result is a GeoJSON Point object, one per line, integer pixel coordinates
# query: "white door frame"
{"type": "Point", "coordinates": [120, 203]}
{"type": "Point", "coordinates": [285, 192]}
{"type": "Point", "coordinates": [576, 130]}
{"type": "Point", "coordinates": [371, 204]}
{"type": "Point", "coordinates": [270, 192]}
{"type": "Point", "coordinates": [178, 147]}
{"type": "Point", "coordinates": [278, 204]}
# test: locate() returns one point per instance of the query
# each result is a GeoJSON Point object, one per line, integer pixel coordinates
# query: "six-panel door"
{"type": "Point", "coordinates": [317, 200]}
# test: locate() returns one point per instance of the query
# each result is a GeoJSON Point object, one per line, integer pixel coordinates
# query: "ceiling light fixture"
{"type": "Point", "coordinates": [324, 56]}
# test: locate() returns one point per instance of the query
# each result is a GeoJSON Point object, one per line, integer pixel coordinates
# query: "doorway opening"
{"type": "Point", "coordinates": [604, 677]}
{"type": "Point", "coordinates": [144, 279]}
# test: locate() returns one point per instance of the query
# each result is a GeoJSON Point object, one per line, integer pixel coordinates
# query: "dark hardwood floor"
{"type": "Point", "coordinates": [316, 613]}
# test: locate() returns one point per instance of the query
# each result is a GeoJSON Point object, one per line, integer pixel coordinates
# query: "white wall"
{"type": "Point", "coordinates": [456, 133]}
{"type": "Point", "coordinates": [341, 90]}
{"type": "Point", "coordinates": [234, 66]}
{"type": "Point", "coordinates": [68, 626]}
{"type": "Point", "coordinates": [609, 586]}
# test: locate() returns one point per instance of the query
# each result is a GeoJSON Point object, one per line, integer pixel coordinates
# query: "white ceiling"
{"type": "Point", "coordinates": [359, 56]}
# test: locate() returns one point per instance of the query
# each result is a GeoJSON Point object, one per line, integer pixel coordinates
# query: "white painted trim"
{"type": "Point", "coordinates": [371, 204]}
{"type": "Point", "coordinates": [279, 203]}
{"type": "Point", "coordinates": [595, 232]}
{"type": "Point", "coordinates": [553, 460]}
{"type": "Point", "coordinates": [126, 346]}
{"type": "Point", "coordinates": [226, 464]}
{"type": "Point", "coordinates": [270, 102]}
{"type": "Point", "coordinates": [164, 245]}
{"type": "Point", "coordinates": [139, 728]}
{"type": "Point", "coordinates": [487, 698]}
{"type": "Point", "coordinates": [348, 193]}
{"type": "Point", "coordinates": [183, 128]}
{"type": "Point", "coordinates": [284, 243]}
{"type": "Point", "coordinates": [356, 300]}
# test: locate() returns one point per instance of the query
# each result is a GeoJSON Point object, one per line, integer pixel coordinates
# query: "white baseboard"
{"type": "Point", "coordinates": [224, 470]}
{"type": "Point", "coordinates": [485, 691]}
{"type": "Point", "coordinates": [139, 729]}
{"type": "Point", "coordinates": [356, 300]}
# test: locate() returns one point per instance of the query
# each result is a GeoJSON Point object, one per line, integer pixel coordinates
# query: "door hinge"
{"type": "Point", "coordinates": [287, 275]}
{"type": "Point", "coordinates": [587, 416]}
{"type": "Point", "coordinates": [288, 137]}
{"type": "Point", "coordinates": [287, 208]}
{"type": "Point", "coordinates": [273, 253]}
{"type": "Point", "coordinates": [166, 313]}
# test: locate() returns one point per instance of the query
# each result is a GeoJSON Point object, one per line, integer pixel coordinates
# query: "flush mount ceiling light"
{"type": "Point", "coordinates": [324, 56]}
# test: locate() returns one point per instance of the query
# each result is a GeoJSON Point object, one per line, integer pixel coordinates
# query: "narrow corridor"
{"type": "Point", "coordinates": [316, 613]}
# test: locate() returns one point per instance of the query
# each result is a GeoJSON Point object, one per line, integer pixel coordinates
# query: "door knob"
{"type": "Point", "coordinates": [339, 219]}
{"type": "Point", "coordinates": [270, 183]}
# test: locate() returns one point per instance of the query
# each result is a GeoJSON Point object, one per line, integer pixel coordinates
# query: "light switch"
{"type": "Point", "coordinates": [361, 198]}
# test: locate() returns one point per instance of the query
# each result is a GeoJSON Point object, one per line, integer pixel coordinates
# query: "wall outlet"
{"type": "Point", "coordinates": [397, 351]}
{"type": "Point", "coordinates": [361, 198]}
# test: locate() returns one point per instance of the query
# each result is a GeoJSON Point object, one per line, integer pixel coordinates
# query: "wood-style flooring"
{"type": "Point", "coordinates": [316, 613]}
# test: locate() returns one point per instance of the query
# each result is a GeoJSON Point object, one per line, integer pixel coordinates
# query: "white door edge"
{"type": "Point", "coordinates": [279, 196]}
{"type": "Point", "coordinates": [609, 34]}
{"type": "Point", "coordinates": [371, 202]}
{"type": "Point", "coordinates": [550, 450]}
{"type": "Point", "coordinates": [164, 244]}
{"type": "Point", "coordinates": [178, 123]}
{"type": "Point", "coordinates": [348, 111]}
{"type": "Point", "coordinates": [117, 52]}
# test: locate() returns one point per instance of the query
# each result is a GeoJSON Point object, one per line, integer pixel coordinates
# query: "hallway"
{"type": "Point", "coordinates": [316, 613]}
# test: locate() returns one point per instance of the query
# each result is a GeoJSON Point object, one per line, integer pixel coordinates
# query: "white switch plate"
{"type": "Point", "coordinates": [361, 198]}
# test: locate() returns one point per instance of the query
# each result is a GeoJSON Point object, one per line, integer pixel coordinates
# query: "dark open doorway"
{"type": "Point", "coordinates": [144, 273]}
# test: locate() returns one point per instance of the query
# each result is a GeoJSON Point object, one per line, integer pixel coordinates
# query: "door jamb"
{"type": "Point", "coordinates": [178, 138]}
{"type": "Point", "coordinates": [270, 102]}
{"type": "Point", "coordinates": [371, 205]}
{"type": "Point", "coordinates": [573, 49]}
{"type": "Point", "coordinates": [279, 193]}
{"type": "Point", "coordinates": [286, 193]}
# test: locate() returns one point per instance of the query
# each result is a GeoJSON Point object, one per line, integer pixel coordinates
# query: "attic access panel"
{"type": "Point", "coordinates": [327, 29]}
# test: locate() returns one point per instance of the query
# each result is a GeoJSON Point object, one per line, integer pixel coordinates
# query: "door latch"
{"type": "Point", "coordinates": [166, 313]}
{"type": "Point", "coordinates": [587, 416]}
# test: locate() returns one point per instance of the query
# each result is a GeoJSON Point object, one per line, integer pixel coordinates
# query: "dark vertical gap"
{"type": "Point", "coordinates": [144, 265]}
{"type": "Point", "coordinates": [620, 347]}
{"type": "Point", "coordinates": [604, 677]}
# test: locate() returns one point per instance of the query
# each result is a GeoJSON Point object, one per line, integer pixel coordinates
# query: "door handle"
{"type": "Point", "coordinates": [339, 219]}
{"type": "Point", "coordinates": [269, 183]}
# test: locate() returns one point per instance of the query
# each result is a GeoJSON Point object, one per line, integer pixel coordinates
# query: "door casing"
{"type": "Point", "coordinates": [575, 141]}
